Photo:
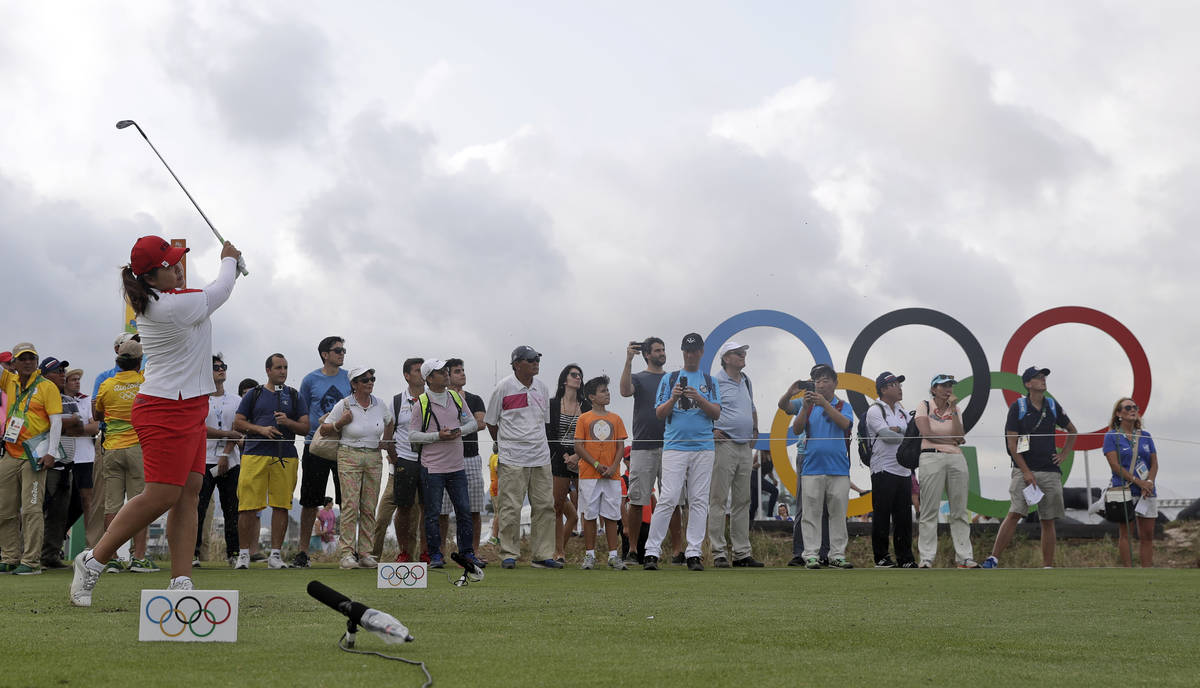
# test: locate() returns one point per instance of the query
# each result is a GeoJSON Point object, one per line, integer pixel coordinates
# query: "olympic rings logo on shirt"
{"type": "Point", "coordinates": [187, 614]}
{"type": "Point", "coordinates": [401, 574]}
{"type": "Point", "coordinates": [983, 378]}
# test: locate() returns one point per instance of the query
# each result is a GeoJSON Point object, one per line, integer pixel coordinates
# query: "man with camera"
{"type": "Point", "coordinates": [825, 478]}
{"type": "Point", "coordinates": [688, 402]}
{"type": "Point", "coordinates": [645, 455]}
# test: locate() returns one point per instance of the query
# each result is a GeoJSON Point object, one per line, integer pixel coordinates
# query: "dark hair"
{"type": "Point", "coordinates": [326, 345]}
{"type": "Point", "coordinates": [593, 386]}
{"type": "Point", "coordinates": [562, 379]}
{"type": "Point", "coordinates": [271, 358]}
{"type": "Point", "coordinates": [454, 363]}
{"type": "Point", "coordinates": [246, 385]}
{"type": "Point", "coordinates": [649, 342]}
{"type": "Point", "coordinates": [327, 501]}
{"type": "Point", "coordinates": [137, 290]}
{"type": "Point", "coordinates": [410, 362]}
{"type": "Point", "coordinates": [129, 362]}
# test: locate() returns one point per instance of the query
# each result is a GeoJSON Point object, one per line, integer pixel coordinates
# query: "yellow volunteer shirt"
{"type": "Point", "coordinates": [44, 402]}
{"type": "Point", "coordinates": [115, 401]}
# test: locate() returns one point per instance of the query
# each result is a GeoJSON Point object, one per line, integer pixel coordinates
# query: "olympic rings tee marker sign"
{"type": "Point", "coordinates": [190, 616]}
{"type": "Point", "coordinates": [406, 575]}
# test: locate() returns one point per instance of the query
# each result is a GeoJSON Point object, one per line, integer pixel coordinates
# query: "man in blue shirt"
{"type": "Point", "coordinates": [825, 479]}
{"type": "Point", "coordinates": [735, 433]}
{"type": "Point", "coordinates": [270, 415]}
{"type": "Point", "coordinates": [321, 389]}
{"type": "Point", "coordinates": [689, 402]}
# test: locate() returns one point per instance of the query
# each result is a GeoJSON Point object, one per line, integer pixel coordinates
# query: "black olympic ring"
{"type": "Point", "coordinates": [405, 574]}
{"type": "Point", "coordinates": [187, 621]}
{"type": "Point", "coordinates": [980, 370]}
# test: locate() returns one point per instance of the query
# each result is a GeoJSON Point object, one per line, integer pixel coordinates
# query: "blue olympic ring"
{"type": "Point", "coordinates": [187, 621]}
{"type": "Point", "coordinates": [402, 574]}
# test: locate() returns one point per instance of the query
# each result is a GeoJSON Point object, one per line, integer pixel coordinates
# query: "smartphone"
{"type": "Point", "coordinates": [806, 385]}
{"type": "Point", "coordinates": [683, 381]}
{"type": "Point", "coordinates": [636, 346]}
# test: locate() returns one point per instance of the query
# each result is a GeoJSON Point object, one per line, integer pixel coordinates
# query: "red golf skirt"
{"type": "Point", "coordinates": [172, 435]}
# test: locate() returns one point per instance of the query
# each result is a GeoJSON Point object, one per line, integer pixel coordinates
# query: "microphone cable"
{"type": "Point", "coordinates": [341, 643]}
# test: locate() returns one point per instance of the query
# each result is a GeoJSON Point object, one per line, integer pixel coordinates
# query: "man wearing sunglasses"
{"type": "Point", "coordinates": [1029, 434]}
{"type": "Point", "coordinates": [516, 417]}
{"type": "Point", "coordinates": [321, 389]}
{"type": "Point", "coordinates": [270, 415]}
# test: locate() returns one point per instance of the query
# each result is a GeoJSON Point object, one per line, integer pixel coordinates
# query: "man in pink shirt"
{"type": "Point", "coordinates": [436, 430]}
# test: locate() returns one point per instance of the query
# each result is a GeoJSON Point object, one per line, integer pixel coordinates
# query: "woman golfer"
{"type": "Point", "coordinates": [169, 412]}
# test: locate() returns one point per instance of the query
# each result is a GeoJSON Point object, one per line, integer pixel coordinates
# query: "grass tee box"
{"type": "Point", "coordinates": [667, 628]}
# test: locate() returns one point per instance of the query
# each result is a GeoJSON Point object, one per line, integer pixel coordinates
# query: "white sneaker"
{"type": "Point", "coordinates": [617, 563]}
{"type": "Point", "coordinates": [926, 564]}
{"type": "Point", "coordinates": [275, 561]}
{"type": "Point", "coordinates": [349, 562]}
{"type": "Point", "coordinates": [243, 561]}
{"type": "Point", "coordinates": [181, 583]}
{"type": "Point", "coordinates": [83, 580]}
{"type": "Point", "coordinates": [368, 562]}
{"type": "Point", "coordinates": [589, 560]}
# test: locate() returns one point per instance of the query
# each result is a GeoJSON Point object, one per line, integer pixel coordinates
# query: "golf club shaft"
{"type": "Point", "coordinates": [240, 261]}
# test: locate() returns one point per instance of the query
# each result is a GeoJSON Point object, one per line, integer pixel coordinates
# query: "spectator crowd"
{"type": "Point", "coordinates": [688, 470]}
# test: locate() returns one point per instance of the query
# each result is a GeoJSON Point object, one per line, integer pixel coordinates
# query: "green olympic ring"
{"type": "Point", "coordinates": [995, 508]}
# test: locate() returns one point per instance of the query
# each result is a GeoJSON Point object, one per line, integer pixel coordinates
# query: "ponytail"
{"type": "Point", "coordinates": [136, 290]}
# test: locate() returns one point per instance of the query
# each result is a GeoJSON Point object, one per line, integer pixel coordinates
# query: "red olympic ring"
{"type": "Point", "coordinates": [1082, 316]}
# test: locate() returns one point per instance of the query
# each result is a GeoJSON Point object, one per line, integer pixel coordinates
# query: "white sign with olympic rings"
{"type": "Point", "coordinates": [406, 575]}
{"type": "Point", "coordinates": [190, 616]}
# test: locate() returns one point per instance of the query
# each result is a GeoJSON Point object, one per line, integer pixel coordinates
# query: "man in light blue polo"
{"type": "Point", "coordinates": [734, 433]}
{"type": "Point", "coordinates": [825, 480]}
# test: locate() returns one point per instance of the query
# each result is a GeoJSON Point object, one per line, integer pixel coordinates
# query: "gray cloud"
{"type": "Point", "coordinates": [268, 80]}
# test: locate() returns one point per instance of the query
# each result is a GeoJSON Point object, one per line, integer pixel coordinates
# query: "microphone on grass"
{"type": "Point", "coordinates": [471, 571]}
{"type": "Point", "coordinates": [381, 624]}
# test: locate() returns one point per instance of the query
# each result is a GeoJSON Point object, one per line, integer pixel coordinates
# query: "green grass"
{"type": "Point", "coordinates": [672, 627]}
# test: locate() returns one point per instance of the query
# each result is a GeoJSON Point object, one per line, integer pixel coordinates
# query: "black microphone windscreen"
{"type": "Point", "coordinates": [357, 609]}
{"type": "Point", "coordinates": [327, 595]}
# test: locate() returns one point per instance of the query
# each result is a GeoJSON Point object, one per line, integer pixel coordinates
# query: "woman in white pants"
{"type": "Point", "coordinates": [943, 468]}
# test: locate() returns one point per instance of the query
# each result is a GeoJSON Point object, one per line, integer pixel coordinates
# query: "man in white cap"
{"type": "Point", "coordinates": [516, 416]}
{"type": "Point", "coordinates": [735, 432]}
{"type": "Point", "coordinates": [436, 429]}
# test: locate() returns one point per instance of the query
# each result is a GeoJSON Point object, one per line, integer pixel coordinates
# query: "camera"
{"type": "Point", "coordinates": [806, 386]}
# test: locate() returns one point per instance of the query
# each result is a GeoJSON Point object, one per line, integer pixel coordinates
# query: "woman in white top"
{"type": "Point", "coordinates": [943, 468]}
{"type": "Point", "coordinates": [170, 408]}
{"type": "Point", "coordinates": [363, 421]}
{"type": "Point", "coordinates": [222, 462]}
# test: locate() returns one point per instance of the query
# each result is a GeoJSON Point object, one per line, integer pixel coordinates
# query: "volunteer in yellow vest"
{"type": "Point", "coordinates": [32, 424]}
{"type": "Point", "coordinates": [124, 475]}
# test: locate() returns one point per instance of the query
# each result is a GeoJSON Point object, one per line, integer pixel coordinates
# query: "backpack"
{"type": "Point", "coordinates": [909, 453]}
{"type": "Point", "coordinates": [866, 444]}
{"type": "Point", "coordinates": [427, 414]}
{"type": "Point", "coordinates": [1023, 407]}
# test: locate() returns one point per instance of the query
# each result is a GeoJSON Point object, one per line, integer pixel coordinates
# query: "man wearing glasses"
{"type": "Point", "coordinates": [1029, 432]}
{"type": "Point", "coordinates": [735, 432]}
{"type": "Point", "coordinates": [516, 417]}
{"type": "Point", "coordinates": [320, 389]}
{"type": "Point", "coordinates": [270, 415]}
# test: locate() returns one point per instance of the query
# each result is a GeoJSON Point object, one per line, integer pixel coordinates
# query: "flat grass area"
{"type": "Point", "coordinates": [674, 627]}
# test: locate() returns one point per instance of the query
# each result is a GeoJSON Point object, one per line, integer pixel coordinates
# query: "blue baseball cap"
{"type": "Point", "coordinates": [886, 378]}
{"type": "Point", "coordinates": [52, 364]}
{"type": "Point", "coordinates": [1032, 372]}
{"type": "Point", "coordinates": [941, 379]}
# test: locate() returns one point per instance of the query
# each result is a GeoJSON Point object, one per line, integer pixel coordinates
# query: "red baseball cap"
{"type": "Point", "coordinates": [152, 252]}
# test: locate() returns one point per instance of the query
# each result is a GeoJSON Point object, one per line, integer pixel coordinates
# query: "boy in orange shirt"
{"type": "Point", "coordinates": [599, 443]}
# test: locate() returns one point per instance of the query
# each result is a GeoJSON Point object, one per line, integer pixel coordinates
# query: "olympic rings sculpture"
{"type": "Point", "coordinates": [177, 613]}
{"type": "Point", "coordinates": [858, 387]}
{"type": "Point", "coordinates": [401, 574]}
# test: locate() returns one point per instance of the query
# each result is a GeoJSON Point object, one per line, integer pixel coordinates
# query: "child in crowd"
{"type": "Point", "coordinates": [599, 444]}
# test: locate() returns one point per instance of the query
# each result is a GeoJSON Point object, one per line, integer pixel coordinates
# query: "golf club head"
{"type": "Point", "coordinates": [474, 573]}
{"type": "Point", "coordinates": [125, 123]}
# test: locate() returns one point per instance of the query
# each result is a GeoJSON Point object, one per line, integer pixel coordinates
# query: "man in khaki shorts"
{"type": "Point", "coordinates": [645, 455]}
{"type": "Point", "coordinates": [1029, 432]}
{"type": "Point", "coordinates": [123, 473]}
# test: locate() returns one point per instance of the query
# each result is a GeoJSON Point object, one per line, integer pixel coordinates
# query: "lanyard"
{"type": "Point", "coordinates": [26, 395]}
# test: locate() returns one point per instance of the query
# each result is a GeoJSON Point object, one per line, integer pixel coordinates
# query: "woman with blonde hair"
{"type": "Point", "coordinates": [1134, 461]}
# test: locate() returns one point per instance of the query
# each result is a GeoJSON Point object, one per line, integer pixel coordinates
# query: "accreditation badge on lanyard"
{"type": "Point", "coordinates": [12, 428]}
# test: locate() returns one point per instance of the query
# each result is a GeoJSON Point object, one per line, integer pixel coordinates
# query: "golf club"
{"type": "Point", "coordinates": [241, 263]}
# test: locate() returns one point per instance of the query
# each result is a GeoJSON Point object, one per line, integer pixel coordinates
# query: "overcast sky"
{"type": "Point", "coordinates": [457, 179]}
